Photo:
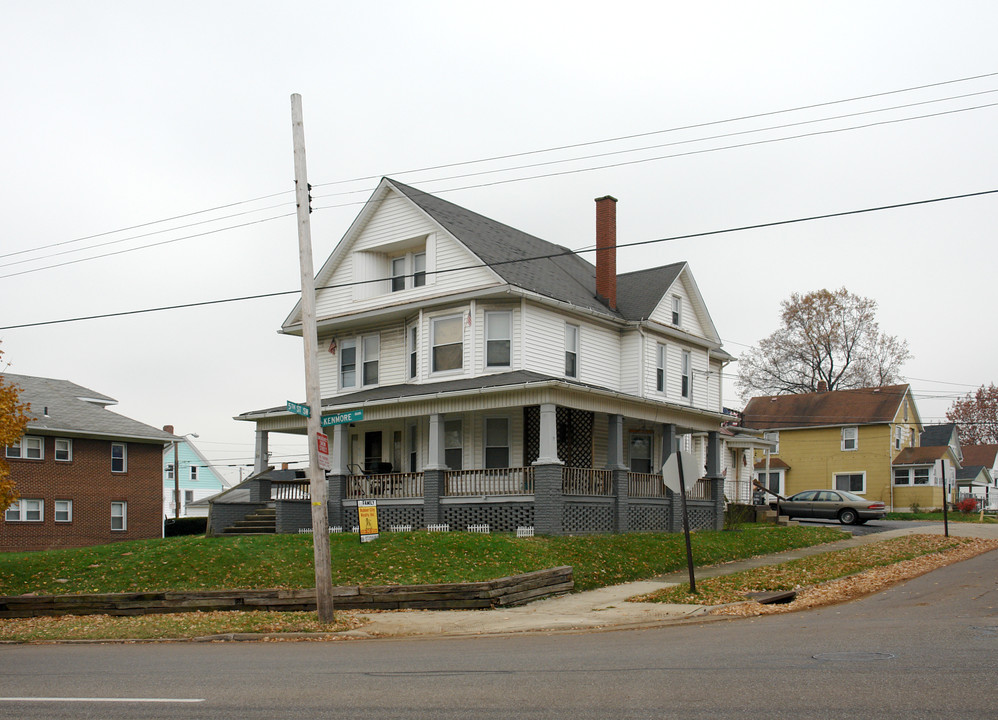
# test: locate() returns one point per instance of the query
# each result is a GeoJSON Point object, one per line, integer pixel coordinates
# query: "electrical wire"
{"type": "Point", "coordinates": [561, 253]}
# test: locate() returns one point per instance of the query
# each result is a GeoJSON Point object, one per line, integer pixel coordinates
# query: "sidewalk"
{"type": "Point", "coordinates": [607, 608]}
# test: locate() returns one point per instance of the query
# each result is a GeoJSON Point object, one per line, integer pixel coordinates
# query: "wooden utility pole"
{"type": "Point", "coordinates": [317, 478]}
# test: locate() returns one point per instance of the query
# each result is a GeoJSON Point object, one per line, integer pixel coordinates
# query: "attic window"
{"type": "Point", "coordinates": [677, 309]}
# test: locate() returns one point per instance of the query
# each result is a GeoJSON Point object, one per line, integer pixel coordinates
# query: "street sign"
{"type": "Point", "coordinates": [691, 470]}
{"type": "Point", "coordinates": [322, 443]}
{"type": "Point", "coordinates": [341, 418]}
{"type": "Point", "coordinates": [299, 409]}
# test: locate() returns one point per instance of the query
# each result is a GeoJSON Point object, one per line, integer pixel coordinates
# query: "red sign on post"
{"type": "Point", "coordinates": [322, 443]}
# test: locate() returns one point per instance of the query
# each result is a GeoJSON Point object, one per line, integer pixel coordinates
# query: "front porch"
{"type": "Point", "coordinates": [545, 453]}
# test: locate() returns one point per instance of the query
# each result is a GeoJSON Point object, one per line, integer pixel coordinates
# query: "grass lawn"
{"type": "Point", "coordinates": [954, 516]}
{"type": "Point", "coordinates": [807, 571]}
{"type": "Point", "coordinates": [193, 563]}
{"type": "Point", "coordinates": [285, 561]}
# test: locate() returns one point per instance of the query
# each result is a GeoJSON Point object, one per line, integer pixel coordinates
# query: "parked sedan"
{"type": "Point", "coordinates": [849, 509]}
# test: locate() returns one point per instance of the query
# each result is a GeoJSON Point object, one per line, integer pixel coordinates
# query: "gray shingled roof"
{"type": "Point", "coordinates": [936, 435]}
{"type": "Point", "coordinates": [640, 292]}
{"type": "Point", "coordinates": [78, 411]}
{"type": "Point", "coordinates": [566, 277]}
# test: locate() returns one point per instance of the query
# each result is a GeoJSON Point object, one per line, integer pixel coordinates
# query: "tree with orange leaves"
{"type": "Point", "coordinates": [13, 419]}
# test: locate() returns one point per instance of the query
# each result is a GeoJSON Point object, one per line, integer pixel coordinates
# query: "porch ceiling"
{"type": "Point", "coordinates": [492, 392]}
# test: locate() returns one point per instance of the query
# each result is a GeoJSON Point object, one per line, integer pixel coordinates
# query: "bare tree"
{"type": "Point", "coordinates": [824, 336]}
{"type": "Point", "coordinates": [976, 416]}
{"type": "Point", "coordinates": [13, 420]}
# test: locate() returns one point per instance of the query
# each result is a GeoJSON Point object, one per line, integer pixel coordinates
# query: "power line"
{"type": "Point", "coordinates": [659, 132]}
{"type": "Point", "coordinates": [705, 139]}
{"type": "Point", "coordinates": [684, 154]}
{"type": "Point", "coordinates": [528, 153]}
{"type": "Point", "coordinates": [150, 245]}
{"type": "Point", "coordinates": [146, 224]}
{"type": "Point", "coordinates": [561, 253]}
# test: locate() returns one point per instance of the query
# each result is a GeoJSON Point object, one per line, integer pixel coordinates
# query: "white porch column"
{"type": "Point", "coordinates": [548, 441]}
{"type": "Point", "coordinates": [261, 457]}
{"type": "Point", "coordinates": [340, 450]}
{"type": "Point", "coordinates": [435, 456]}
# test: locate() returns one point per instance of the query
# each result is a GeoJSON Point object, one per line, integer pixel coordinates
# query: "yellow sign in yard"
{"type": "Point", "coordinates": [367, 517]}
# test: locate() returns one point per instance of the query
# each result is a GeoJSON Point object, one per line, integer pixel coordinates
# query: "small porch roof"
{"type": "Point", "coordinates": [490, 392]}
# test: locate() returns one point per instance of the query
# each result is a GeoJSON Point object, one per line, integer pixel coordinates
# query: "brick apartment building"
{"type": "Point", "coordinates": [84, 475]}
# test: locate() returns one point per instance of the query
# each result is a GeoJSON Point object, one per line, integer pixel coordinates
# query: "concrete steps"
{"type": "Point", "coordinates": [258, 522]}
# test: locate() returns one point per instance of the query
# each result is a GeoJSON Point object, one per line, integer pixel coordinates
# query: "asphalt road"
{"type": "Point", "coordinates": [925, 649]}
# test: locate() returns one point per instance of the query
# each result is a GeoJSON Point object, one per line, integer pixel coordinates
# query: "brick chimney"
{"type": "Point", "coordinates": [606, 251]}
{"type": "Point", "coordinates": [168, 429]}
{"type": "Point", "coordinates": [822, 386]}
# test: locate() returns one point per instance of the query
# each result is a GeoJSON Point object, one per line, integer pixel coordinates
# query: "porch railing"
{"type": "Point", "coordinates": [586, 481]}
{"type": "Point", "coordinates": [289, 490]}
{"type": "Point", "coordinates": [645, 485]}
{"type": "Point", "coordinates": [489, 481]}
{"type": "Point", "coordinates": [385, 486]}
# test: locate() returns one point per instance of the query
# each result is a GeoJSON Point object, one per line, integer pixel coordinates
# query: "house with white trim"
{"type": "Point", "coordinates": [500, 379]}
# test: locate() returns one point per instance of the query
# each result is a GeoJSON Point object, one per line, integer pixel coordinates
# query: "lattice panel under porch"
{"type": "Point", "coordinates": [388, 515]}
{"type": "Point", "coordinates": [587, 518]}
{"type": "Point", "coordinates": [499, 517]}
{"type": "Point", "coordinates": [701, 517]}
{"type": "Point", "coordinates": [648, 518]}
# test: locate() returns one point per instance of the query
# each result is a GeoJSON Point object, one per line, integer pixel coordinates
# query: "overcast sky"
{"type": "Point", "coordinates": [119, 114]}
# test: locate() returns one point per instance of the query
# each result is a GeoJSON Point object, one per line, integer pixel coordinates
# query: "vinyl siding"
{"type": "Point", "coordinates": [395, 227]}
{"type": "Point", "coordinates": [689, 321]}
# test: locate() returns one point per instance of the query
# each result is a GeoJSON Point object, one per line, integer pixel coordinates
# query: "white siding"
{"type": "Point", "coordinates": [689, 322]}
{"type": "Point", "coordinates": [630, 362]}
{"type": "Point", "coordinates": [478, 335]}
{"type": "Point", "coordinates": [544, 347]}
{"type": "Point", "coordinates": [396, 227]}
{"type": "Point", "coordinates": [391, 359]}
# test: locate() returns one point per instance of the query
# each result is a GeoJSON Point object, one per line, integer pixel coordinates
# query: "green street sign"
{"type": "Point", "coordinates": [346, 417]}
{"type": "Point", "coordinates": [299, 409]}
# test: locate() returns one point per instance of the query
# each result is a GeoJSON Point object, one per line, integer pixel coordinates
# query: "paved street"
{"type": "Point", "coordinates": [925, 649]}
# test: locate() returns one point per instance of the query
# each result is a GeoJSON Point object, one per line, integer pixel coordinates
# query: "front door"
{"type": "Point", "coordinates": [372, 452]}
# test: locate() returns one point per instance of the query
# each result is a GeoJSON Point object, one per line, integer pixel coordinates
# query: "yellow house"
{"type": "Point", "coordinates": [849, 440]}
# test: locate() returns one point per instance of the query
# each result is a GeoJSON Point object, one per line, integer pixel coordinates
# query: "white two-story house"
{"type": "Point", "coordinates": [478, 355]}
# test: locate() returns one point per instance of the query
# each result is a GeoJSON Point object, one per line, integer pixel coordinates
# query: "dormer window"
{"type": "Point", "coordinates": [398, 274]}
{"type": "Point", "coordinates": [407, 271]}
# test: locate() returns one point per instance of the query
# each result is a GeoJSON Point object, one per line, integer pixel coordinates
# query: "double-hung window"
{"type": "Point", "coordinates": [119, 516]}
{"type": "Point", "coordinates": [677, 310]}
{"type": "Point", "coordinates": [25, 510]}
{"type": "Point", "coordinates": [419, 269]}
{"type": "Point", "coordinates": [348, 364]}
{"type": "Point", "coordinates": [119, 457]}
{"type": "Point", "coordinates": [661, 357]}
{"type": "Point", "coordinates": [194, 472]}
{"type": "Point", "coordinates": [902, 476]}
{"type": "Point", "coordinates": [398, 274]}
{"type": "Point", "coordinates": [63, 449]}
{"type": "Point", "coordinates": [371, 345]}
{"type": "Point", "coordinates": [850, 439]}
{"type": "Point", "coordinates": [773, 435]}
{"type": "Point", "coordinates": [686, 382]}
{"type": "Point", "coordinates": [572, 351]}
{"type": "Point", "coordinates": [447, 340]}
{"type": "Point", "coordinates": [413, 352]}
{"type": "Point", "coordinates": [453, 444]}
{"type": "Point", "coordinates": [498, 339]}
{"type": "Point", "coordinates": [365, 352]}
{"type": "Point", "coordinates": [496, 442]}
{"type": "Point", "coordinates": [28, 447]}
{"type": "Point", "coordinates": [63, 511]}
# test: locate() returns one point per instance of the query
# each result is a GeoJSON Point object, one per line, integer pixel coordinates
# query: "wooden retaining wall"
{"type": "Point", "coordinates": [503, 592]}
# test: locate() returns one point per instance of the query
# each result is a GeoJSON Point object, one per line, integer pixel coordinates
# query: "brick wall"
{"type": "Point", "coordinates": [88, 482]}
